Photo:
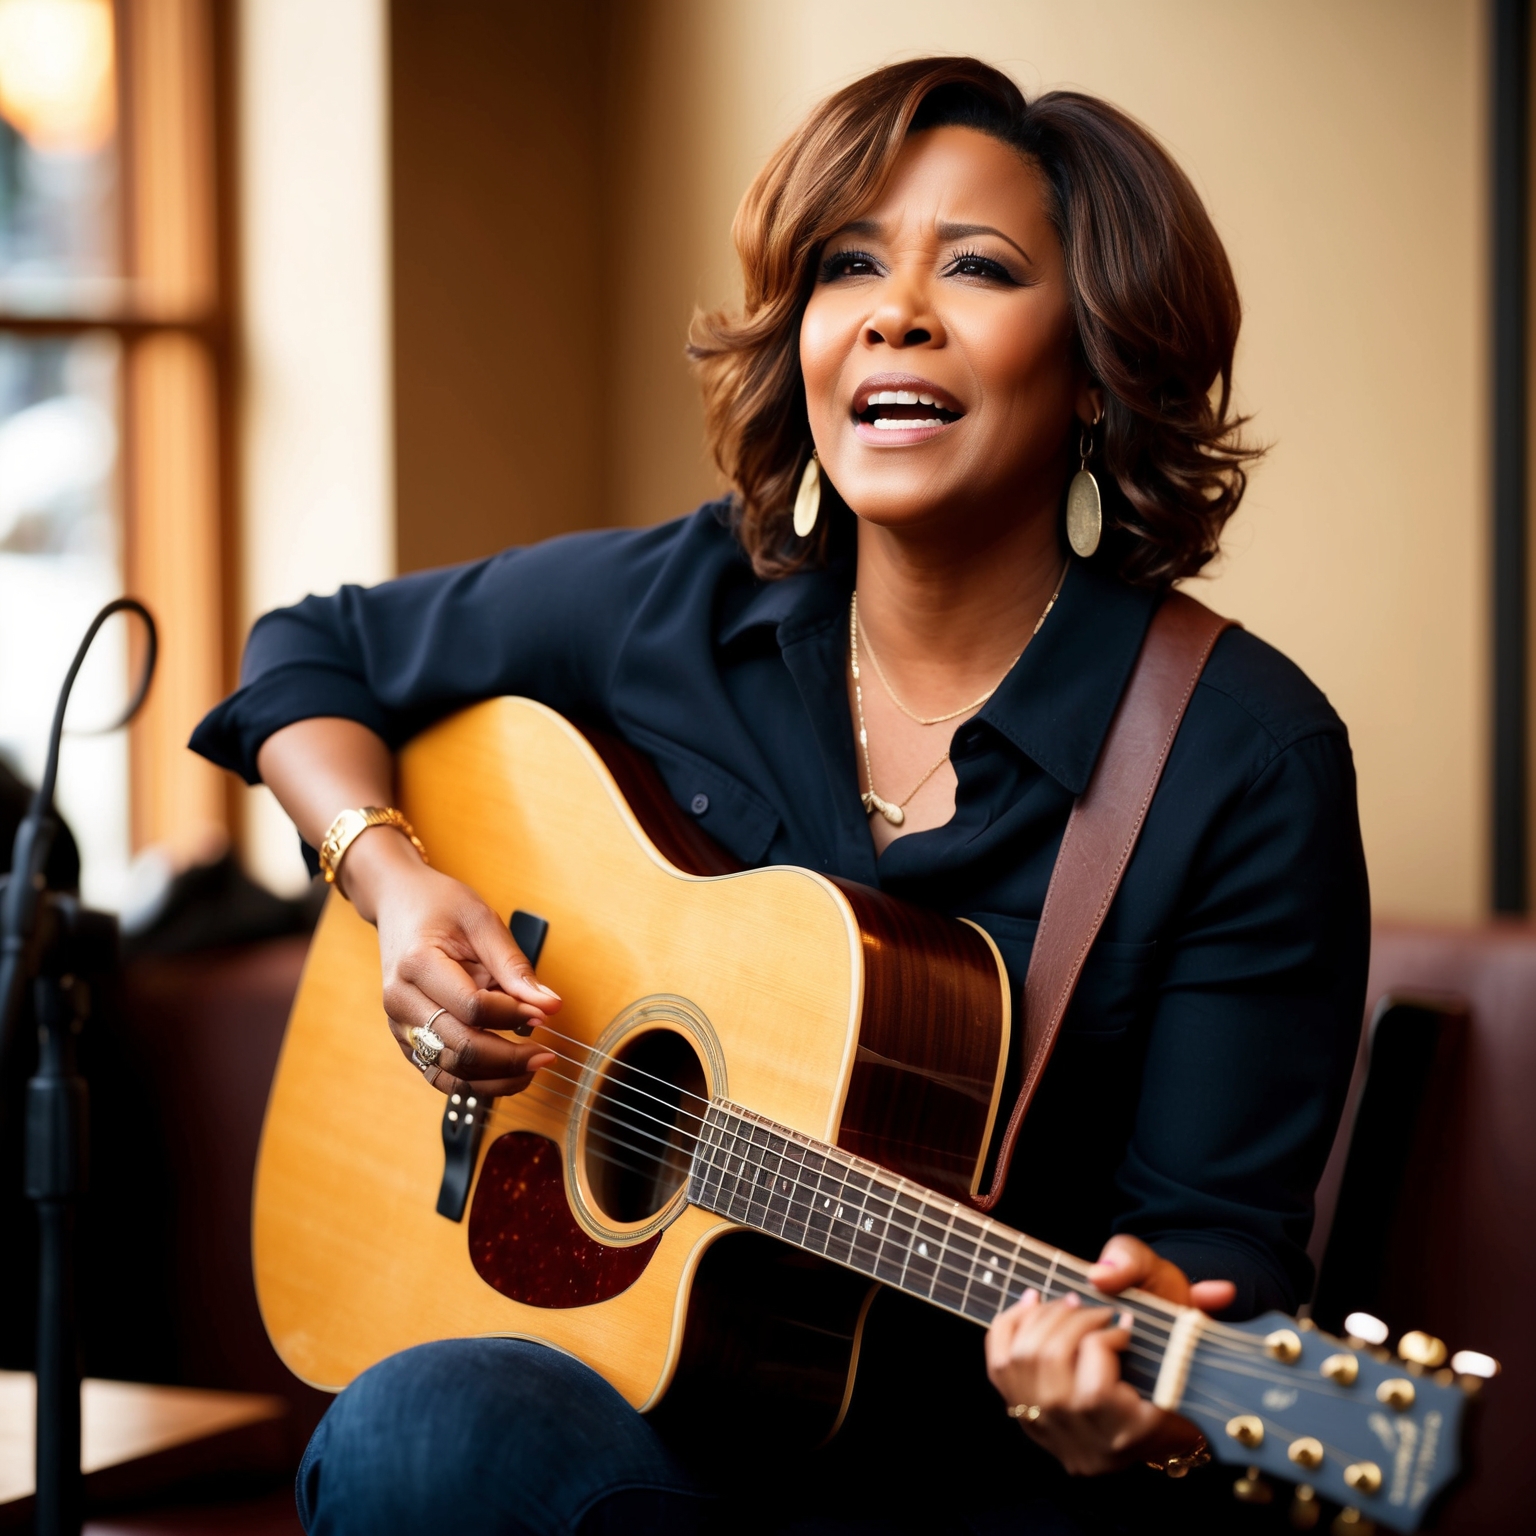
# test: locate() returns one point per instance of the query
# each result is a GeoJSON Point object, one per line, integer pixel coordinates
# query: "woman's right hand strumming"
{"type": "Point", "coordinates": [440, 946]}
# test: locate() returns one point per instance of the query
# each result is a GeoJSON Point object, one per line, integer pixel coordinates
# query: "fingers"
{"type": "Point", "coordinates": [506, 962]}
{"type": "Point", "coordinates": [1032, 1349]}
{"type": "Point", "coordinates": [1001, 1334]}
{"type": "Point", "coordinates": [1098, 1362]}
{"type": "Point", "coordinates": [1125, 1261]}
{"type": "Point", "coordinates": [1212, 1295]}
{"type": "Point", "coordinates": [471, 1058]}
{"type": "Point", "coordinates": [427, 971]}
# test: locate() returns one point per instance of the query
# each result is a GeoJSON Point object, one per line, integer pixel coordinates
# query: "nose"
{"type": "Point", "coordinates": [904, 317]}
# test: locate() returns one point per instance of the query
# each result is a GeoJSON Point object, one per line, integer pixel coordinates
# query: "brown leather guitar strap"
{"type": "Point", "coordinates": [1101, 835]}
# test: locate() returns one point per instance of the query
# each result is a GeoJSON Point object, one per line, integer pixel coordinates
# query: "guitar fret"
{"type": "Point", "coordinates": [797, 1200]}
{"type": "Point", "coordinates": [825, 1201]}
{"type": "Point", "coordinates": [754, 1178]}
{"type": "Point", "coordinates": [738, 1166]}
{"type": "Point", "coordinates": [825, 1191]}
{"type": "Point", "coordinates": [704, 1180]}
{"type": "Point", "coordinates": [984, 1294]}
{"type": "Point", "coordinates": [842, 1230]}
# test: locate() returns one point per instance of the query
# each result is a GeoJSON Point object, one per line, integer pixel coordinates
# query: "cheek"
{"type": "Point", "coordinates": [824, 348]}
{"type": "Point", "coordinates": [1024, 358]}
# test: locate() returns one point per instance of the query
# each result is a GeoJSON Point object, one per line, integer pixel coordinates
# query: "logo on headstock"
{"type": "Point", "coordinates": [1278, 1399]}
{"type": "Point", "coordinates": [1411, 1453]}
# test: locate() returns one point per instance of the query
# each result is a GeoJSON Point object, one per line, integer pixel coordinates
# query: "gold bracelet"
{"type": "Point", "coordinates": [350, 825]}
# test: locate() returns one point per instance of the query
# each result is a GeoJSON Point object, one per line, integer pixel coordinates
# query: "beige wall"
{"type": "Point", "coordinates": [317, 498]}
{"type": "Point", "coordinates": [1339, 147]}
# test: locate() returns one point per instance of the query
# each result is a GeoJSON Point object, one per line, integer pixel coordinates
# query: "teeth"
{"type": "Point", "coordinates": [896, 424]}
{"type": "Point", "coordinates": [900, 397]}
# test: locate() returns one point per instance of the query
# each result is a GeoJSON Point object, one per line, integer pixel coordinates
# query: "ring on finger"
{"type": "Point", "coordinates": [426, 1044]}
{"type": "Point", "coordinates": [1028, 1413]}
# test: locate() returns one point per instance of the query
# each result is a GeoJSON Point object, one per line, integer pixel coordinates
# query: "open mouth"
{"type": "Point", "coordinates": [915, 409]}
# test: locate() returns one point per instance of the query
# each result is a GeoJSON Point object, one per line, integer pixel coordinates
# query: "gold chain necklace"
{"type": "Point", "coordinates": [894, 812]}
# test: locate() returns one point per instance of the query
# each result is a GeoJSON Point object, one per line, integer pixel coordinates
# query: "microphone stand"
{"type": "Point", "coordinates": [47, 937]}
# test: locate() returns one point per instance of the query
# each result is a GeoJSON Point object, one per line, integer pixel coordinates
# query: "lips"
{"type": "Point", "coordinates": [903, 403]}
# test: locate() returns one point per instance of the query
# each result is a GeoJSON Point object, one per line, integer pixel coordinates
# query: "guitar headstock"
{"type": "Point", "coordinates": [1371, 1431]}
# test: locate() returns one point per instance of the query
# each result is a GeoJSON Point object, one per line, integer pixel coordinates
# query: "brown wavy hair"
{"type": "Point", "coordinates": [1155, 304]}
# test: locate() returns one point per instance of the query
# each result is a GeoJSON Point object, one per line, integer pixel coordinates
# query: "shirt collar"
{"type": "Point", "coordinates": [1055, 706]}
{"type": "Point", "coordinates": [1057, 703]}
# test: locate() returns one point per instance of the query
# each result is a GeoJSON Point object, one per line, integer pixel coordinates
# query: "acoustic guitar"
{"type": "Point", "coordinates": [775, 1091]}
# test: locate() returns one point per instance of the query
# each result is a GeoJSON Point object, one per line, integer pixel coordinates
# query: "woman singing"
{"type": "Point", "coordinates": [880, 656]}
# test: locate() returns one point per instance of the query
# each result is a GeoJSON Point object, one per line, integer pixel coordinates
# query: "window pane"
{"type": "Point", "coordinates": [60, 559]}
{"type": "Point", "coordinates": [59, 246]}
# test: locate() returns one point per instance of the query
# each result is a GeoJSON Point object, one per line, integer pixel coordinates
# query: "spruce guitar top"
{"type": "Point", "coordinates": [773, 1090]}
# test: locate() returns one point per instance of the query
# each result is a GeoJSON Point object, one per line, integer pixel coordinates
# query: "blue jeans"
{"type": "Point", "coordinates": [502, 1437]}
{"type": "Point", "coordinates": [490, 1437]}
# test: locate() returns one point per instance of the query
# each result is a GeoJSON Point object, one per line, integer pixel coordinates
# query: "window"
{"type": "Point", "coordinates": [112, 358]}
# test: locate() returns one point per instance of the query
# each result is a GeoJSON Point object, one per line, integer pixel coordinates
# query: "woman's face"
{"type": "Point", "coordinates": [937, 345]}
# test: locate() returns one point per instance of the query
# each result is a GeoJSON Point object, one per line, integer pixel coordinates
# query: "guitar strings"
{"type": "Point", "coordinates": [1030, 1267]}
{"type": "Point", "coordinates": [1244, 1343]}
{"type": "Point", "coordinates": [1022, 1265]}
{"type": "Point", "coordinates": [1216, 1335]}
{"type": "Point", "coordinates": [1211, 1343]}
{"type": "Point", "coordinates": [1151, 1357]}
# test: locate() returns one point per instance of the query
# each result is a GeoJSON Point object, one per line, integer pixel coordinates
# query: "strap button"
{"type": "Point", "coordinates": [699, 804]}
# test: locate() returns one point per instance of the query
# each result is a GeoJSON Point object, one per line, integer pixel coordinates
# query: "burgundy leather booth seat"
{"type": "Point", "coordinates": [1462, 1261]}
{"type": "Point", "coordinates": [209, 1025]}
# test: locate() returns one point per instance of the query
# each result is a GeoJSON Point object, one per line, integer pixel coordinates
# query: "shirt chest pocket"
{"type": "Point", "coordinates": [1114, 990]}
{"type": "Point", "coordinates": [734, 814]}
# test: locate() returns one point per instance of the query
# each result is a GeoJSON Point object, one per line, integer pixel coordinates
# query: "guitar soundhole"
{"type": "Point", "coordinates": [645, 1117]}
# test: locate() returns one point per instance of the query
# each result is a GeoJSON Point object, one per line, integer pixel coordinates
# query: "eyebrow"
{"type": "Point", "coordinates": [964, 231]}
{"type": "Point", "coordinates": [945, 232]}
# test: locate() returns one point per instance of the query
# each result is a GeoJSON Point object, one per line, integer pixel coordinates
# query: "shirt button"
{"type": "Point", "coordinates": [699, 804]}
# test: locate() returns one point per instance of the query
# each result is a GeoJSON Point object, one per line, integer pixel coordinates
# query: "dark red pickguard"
{"type": "Point", "coordinates": [523, 1240]}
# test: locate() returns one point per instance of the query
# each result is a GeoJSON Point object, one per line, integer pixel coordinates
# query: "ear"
{"type": "Point", "coordinates": [1090, 402]}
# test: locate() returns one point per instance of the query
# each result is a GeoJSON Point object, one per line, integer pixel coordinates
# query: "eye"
{"type": "Point", "coordinates": [988, 268]}
{"type": "Point", "coordinates": [848, 264]}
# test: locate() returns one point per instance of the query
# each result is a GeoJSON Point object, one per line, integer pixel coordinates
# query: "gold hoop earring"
{"type": "Point", "coordinates": [1085, 509]}
{"type": "Point", "coordinates": [808, 499]}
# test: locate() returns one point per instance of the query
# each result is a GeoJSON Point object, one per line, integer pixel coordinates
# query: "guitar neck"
{"type": "Point", "coordinates": [857, 1214]}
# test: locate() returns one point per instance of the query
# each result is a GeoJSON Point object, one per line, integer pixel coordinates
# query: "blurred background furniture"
{"type": "Point", "coordinates": [1424, 1210]}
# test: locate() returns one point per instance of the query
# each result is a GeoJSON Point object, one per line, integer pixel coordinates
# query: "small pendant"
{"type": "Point", "coordinates": [892, 813]}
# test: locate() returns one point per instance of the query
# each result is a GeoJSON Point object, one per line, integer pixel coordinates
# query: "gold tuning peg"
{"type": "Point", "coordinates": [1422, 1349]}
{"type": "Point", "coordinates": [1305, 1510]}
{"type": "Point", "coordinates": [1473, 1369]}
{"type": "Point", "coordinates": [1251, 1488]}
{"type": "Point", "coordinates": [1350, 1522]}
{"type": "Point", "coordinates": [1364, 1331]}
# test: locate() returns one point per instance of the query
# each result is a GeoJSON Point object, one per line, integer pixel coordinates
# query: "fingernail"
{"type": "Point", "coordinates": [1072, 1300]}
{"type": "Point", "coordinates": [1032, 1297]}
{"type": "Point", "coordinates": [1126, 1321]}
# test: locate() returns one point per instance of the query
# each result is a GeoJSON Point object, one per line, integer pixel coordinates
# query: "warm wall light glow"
{"type": "Point", "coordinates": [56, 75]}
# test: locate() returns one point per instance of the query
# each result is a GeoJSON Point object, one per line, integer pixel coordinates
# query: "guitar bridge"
{"type": "Point", "coordinates": [465, 1114]}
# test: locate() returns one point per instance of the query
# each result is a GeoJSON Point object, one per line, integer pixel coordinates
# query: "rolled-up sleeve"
{"type": "Point", "coordinates": [545, 621]}
{"type": "Point", "coordinates": [1255, 1031]}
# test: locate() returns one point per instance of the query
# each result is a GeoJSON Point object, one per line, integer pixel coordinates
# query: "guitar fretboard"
{"type": "Point", "coordinates": [862, 1216]}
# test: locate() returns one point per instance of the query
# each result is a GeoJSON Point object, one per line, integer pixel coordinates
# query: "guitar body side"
{"type": "Point", "coordinates": [353, 1263]}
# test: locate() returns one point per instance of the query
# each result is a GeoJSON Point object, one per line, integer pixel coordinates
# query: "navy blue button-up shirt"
{"type": "Point", "coordinates": [1199, 1075]}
